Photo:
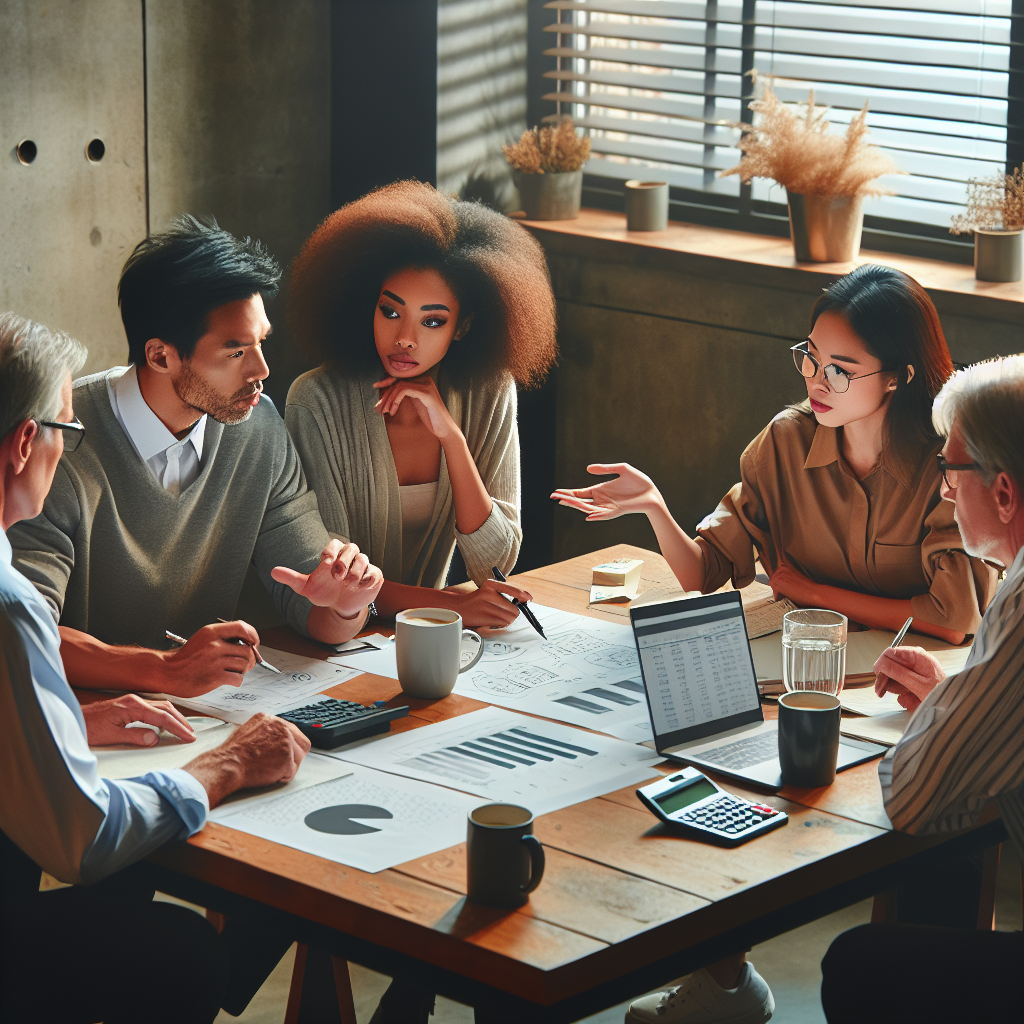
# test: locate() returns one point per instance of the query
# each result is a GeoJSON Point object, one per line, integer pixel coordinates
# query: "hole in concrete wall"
{"type": "Point", "coordinates": [27, 151]}
{"type": "Point", "coordinates": [95, 150]}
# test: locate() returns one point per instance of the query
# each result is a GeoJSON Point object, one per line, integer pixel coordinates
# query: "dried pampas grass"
{"type": "Point", "coordinates": [993, 204]}
{"type": "Point", "coordinates": [548, 150]}
{"type": "Point", "coordinates": [799, 153]}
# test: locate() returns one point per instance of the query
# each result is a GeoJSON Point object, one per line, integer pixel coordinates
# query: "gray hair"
{"type": "Point", "coordinates": [34, 363]}
{"type": "Point", "coordinates": [986, 401]}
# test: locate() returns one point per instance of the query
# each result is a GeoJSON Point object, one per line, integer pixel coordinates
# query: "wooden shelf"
{"type": "Point", "coordinates": [954, 282]}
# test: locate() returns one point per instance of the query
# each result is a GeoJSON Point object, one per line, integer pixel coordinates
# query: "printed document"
{"type": "Point", "coordinates": [510, 758]}
{"type": "Point", "coordinates": [300, 680]}
{"type": "Point", "coordinates": [586, 673]}
{"type": "Point", "coordinates": [363, 818]}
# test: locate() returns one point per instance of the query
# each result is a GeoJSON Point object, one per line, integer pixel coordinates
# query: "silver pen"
{"type": "Point", "coordinates": [898, 639]}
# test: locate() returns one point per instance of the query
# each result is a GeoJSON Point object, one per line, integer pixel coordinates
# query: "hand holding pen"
{"type": "Point", "coordinates": [521, 605]}
{"type": "Point", "coordinates": [209, 658]}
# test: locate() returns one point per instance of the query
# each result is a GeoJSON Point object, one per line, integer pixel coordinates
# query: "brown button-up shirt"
{"type": "Point", "coordinates": [889, 535]}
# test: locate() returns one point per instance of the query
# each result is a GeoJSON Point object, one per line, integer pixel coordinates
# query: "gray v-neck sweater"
{"type": "Point", "coordinates": [120, 558]}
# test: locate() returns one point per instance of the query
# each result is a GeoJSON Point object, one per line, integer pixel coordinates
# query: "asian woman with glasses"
{"type": "Point", "coordinates": [838, 496]}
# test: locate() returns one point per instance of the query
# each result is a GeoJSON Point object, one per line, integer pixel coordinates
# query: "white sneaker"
{"type": "Point", "coordinates": [699, 999]}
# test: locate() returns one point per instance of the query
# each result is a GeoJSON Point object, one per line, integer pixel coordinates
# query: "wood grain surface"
{"type": "Point", "coordinates": [620, 890]}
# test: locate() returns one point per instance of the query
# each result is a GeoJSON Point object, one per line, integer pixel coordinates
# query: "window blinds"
{"type": "Point", "coordinates": [660, 83]}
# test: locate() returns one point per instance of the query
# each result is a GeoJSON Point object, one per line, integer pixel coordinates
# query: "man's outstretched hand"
{"type": "Point", "coordinates": [909, 672]}
{"type": "Point", "coordinates": [344, 581]}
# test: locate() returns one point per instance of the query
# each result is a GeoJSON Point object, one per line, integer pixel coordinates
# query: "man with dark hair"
{"type": "Point", "coordinates": [184, 477]}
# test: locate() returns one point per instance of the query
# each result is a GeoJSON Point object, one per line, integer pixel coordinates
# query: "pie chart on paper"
{"type": "Point", "coordinates": [339, 819]}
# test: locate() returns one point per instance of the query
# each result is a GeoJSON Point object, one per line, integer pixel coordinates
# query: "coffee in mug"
{"type": "Point", "coordinates": [431, 649]}
{"type": "Point", "coordinates": [504, 859]}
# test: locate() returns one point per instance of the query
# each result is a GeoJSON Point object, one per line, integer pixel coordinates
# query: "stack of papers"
{"type": "Point", "coordinates": [617, 580]}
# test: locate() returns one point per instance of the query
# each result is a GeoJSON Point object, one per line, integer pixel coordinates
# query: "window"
{"type": "Point", "coordinates": [660, 84]}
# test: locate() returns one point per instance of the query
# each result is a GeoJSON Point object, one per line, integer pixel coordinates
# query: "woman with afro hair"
{"type": "Point", "coordinates": [426, 313]}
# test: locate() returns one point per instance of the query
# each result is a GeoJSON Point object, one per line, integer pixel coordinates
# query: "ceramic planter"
{"type": "Point", "coordinates": [998, 255]}
{"type": "Point", "coordinates": [550, 196]}
{"type": "Point", "coordinates": [825, 229]}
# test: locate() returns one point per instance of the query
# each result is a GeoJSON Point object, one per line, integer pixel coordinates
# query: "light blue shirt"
{"type": "Point", "coordinates": [53, 804]}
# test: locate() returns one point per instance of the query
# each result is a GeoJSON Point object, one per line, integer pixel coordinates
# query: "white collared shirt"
{"type": "Point", "coordinates": [173, 463]}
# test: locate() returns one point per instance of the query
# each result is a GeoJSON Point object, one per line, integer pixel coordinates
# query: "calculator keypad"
{"type": "Point", "coordinates": [728, 815]}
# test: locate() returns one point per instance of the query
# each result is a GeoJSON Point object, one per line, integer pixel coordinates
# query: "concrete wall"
{"type": "Point", "coordinates": [674, 362]}
{"type": "Point", "coordinates": [239, 127]}
{"type": "Point", "coordinates": [71, 72]}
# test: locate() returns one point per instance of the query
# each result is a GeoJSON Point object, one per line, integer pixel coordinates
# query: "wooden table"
{"type": "Point", "coordinates": [625, 905]}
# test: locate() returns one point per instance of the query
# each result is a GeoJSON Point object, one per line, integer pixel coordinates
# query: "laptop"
{"type": "Point", "coordinates": [702, 691]}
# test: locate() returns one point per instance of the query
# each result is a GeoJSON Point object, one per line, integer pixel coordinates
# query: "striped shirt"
{"type": "Point", "coordinates": [964, 745]}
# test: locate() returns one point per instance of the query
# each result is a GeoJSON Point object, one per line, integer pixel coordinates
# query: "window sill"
{"type": "Point", "coordinates": [769, 260]}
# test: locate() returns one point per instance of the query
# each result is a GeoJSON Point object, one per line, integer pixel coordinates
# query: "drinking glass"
{"type": "Point", "coordinates": [814, 650]}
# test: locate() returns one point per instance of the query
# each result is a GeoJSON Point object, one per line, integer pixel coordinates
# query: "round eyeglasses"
{"type": "Point", "coordinates": [951, 471]}
{"type": "Point", "coordinates": [836, 377]}
{"type": "Point", "coordinates": [72, 433]}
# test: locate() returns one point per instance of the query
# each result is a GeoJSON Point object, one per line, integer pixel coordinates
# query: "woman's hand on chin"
{"type": "Point", "coordinates": [422, 392]}
{"type": "Point", "coordinates": [630, 491]}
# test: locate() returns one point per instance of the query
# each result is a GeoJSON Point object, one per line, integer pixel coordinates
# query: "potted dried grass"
{"type": "Point", "coordinates": [995, 213]}
{"type": "Point", "coordinates": [826, 176]}
{"type": "Point", "coordinates": [547, 168]}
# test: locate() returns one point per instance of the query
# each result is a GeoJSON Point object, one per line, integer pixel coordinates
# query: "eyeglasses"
{"type": "Point", "coordinates": [836, 377]}
{"type": "Point", "coordinates": [72, 432]}
{"type": "Point", "coordinates": [951, 471]}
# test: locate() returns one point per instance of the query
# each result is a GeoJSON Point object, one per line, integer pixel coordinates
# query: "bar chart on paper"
{"type": "Point", "coordinates": [507, 757]}
{"type": "Point", "coordinates": [586, 673]}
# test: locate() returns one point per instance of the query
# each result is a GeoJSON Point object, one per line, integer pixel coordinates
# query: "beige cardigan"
{"type": "Point", "coordinates": [346, 455]}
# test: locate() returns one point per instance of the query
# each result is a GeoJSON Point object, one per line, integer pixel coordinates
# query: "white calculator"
{"type": "Point", "coordinates": [703, 810]}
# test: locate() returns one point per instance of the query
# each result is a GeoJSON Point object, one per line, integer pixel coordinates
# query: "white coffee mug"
{"type": "Point", "coordinates": [432, 648]}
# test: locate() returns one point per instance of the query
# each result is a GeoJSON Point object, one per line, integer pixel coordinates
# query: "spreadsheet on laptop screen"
{"type": "Point", "coordinates": [696, 666]}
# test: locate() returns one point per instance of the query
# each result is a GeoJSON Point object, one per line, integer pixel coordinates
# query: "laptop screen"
{"type": "Point", "coordinates": [697, 668]}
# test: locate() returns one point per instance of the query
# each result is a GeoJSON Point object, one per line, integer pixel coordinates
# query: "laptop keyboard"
{"type": "Point", "coordinates": [743, 753]}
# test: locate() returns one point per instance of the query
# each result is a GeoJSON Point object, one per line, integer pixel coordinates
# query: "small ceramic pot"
{"type": "Point", "coordinates": [825, 229]}
{"type": "Point", "coordinates": [550, 196]}
{"type": "Point", "coordinates": [998, 255]}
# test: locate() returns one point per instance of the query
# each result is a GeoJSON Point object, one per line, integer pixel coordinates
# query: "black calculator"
{"type": "Point", "coordinates": [330, 723]}
{"type": "Point", "coordinates": [690, 801]}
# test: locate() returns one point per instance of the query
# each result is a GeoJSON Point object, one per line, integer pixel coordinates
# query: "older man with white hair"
{"type": "Point", "coordinates": [93, 951]}
{"type": "Point", "coordinates": [964, 746]}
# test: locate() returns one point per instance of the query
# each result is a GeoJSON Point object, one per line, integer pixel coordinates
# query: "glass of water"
{"type": "Point", "coordinates": [814, 650]}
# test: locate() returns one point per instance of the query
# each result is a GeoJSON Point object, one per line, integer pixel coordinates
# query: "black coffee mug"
{"type": "Point", "coordinates": [808, 738]}
{"type": "Point", "coordinates": [504, 859]}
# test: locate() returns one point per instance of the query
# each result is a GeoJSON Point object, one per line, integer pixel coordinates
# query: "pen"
{"type": "Point", "coordinates": [898, 639]}
{"type": "Point", "coordinates": [245, 643]}
{"type": "Point", "coordinates": [521, 605]}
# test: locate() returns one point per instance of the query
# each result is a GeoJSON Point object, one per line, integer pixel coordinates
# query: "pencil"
{"type": "Point", "coordinates": [521, 605]}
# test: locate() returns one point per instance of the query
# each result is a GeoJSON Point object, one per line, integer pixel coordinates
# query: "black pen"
{"type": "Point", "coordinates": [521, 605]}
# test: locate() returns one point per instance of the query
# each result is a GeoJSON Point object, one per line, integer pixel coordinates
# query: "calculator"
{"type": "Point", "coordinates": [699, 807]}
{"type": "Point", "coordinates": [330, 723]}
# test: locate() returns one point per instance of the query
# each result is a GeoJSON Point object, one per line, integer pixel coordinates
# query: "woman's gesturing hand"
{"type": "Point", "coordinates": [423, 393]}
{"type": "Point", "coordinates": [630, 491]}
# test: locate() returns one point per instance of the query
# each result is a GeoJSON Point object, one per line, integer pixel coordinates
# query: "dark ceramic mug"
{"type": "Point", "coordinates": [504, 859]}
{"type": "Point", "coordinates": [808, 738]}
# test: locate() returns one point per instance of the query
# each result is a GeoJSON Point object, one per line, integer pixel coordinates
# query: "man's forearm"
{"type": "Point", "coordinates": [93, 665]}
{"type": "Point", "coordinates": [327, 626]}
